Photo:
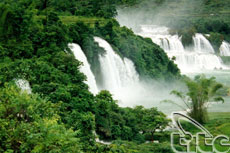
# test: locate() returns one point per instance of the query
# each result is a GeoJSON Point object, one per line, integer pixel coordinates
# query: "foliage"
{"type": "Point", "coordinates": [201, 92]}
{"type": "Point", "coordinates": [113, 122]}
{"type": "Point", "coordinates": [187, 36]}
{"type": "Point", "coordinates": [31, 124]}
{"type": "Point", "coordinates": [154, 120]}
{"type": "Point", "coordinates": [62, 115]}
{"type": "Point", "coordinates": [15, 21]}
{"type": "Point", "coordinates": [52, 73]}
{"type": "Point", "coordinates": [216, 40]}
{"type": "Point", "coordinates": [59, 81]}
{"type": "Point", "coordinates": [129, 147]}
{"type": "Point", "coordinates": [100, 8]}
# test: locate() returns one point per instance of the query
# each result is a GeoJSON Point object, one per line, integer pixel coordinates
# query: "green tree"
{"type": "Point", "coordinates": [201, 92]}
{"type": "Point", "coordinates": [103, 114]}
{"type": "Point", "coordinates": [216, 39]}
{"type": "Point", "coordinates": [31, 124]}
{"type": "Point", "coordinates": [153, 120]}
{"type": "Point", "coordinates": [15, 27]}
{"type": "Point", "coordinates": [5, 24]}
{"type": "Point", "coordinates": [99, 8]}
{"type": "Point", "coordinates": [59, 80]}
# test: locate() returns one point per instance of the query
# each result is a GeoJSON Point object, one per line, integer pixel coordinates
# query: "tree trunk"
{"type": "Point", "coordinates": [152, 136]}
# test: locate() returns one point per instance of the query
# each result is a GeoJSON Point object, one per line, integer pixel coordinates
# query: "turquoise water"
{"type": "Point", "coordinates": [222, 76]}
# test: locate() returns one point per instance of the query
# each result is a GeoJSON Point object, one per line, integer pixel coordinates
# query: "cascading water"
{"type": "Point", "coordinates": [160, 36]}
{"type": "Point", "coordinates": [24, 85]}
{"type": "Point", "coordinates": [201, 44]}
{"type": "Point", "coordinates": [120, 78]}
{"type": "Point", "coordinates": [194, 60]}
{"type": "Point", "coordinates": [200, 57]}
{"type": "Point", "coordinates": [225, 49]}
{"type": "Point", "coordinates": [85, 68]}
{"type": "Point", "coordinates": [116, 73]}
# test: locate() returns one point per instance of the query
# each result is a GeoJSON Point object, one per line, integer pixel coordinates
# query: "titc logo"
{"type": "Point", "coordinates": [191, 143]}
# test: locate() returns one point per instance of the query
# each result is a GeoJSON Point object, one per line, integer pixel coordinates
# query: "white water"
{"type": "Point", "coordinates": [121, 79]}
{"type": "Point", "coordinates": [225, 49]}
{"type": "Point", "coordinates": [160, 36]}
{"type": "Point", "coordinates": [85, 68]}
{"type": "Point", "coordinates": [24, 85]}
{"type": "Point", "coordinates": [201, 44]}
{"type": "Point", "coordinates": [195, 59]}
{"type": "Point", "coordinates": [117, 73]}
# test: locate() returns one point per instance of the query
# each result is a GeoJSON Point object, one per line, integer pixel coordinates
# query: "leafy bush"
{"type": "Point", "coordinates": [216, 40]}
{"type": "Point", "coordinates": [31, 124]}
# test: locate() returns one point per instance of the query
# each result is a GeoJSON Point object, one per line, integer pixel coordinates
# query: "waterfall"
{"type": "Point", "coordinates": [197, 58]}
{"type": "Point", "coordinates": [85, 68]}
{"type": "Point", "coordinates": [172, 44]}
{"type": "Point", "coordinates": [24, 85]}
{"type": "Point", "coordinates": [201, 44]}
{"type": "Point", "coordinates": [116, 73]}
{"type": "Point", "coordinates": [190, 62]}
{"type": "Point", "coordinates": [225, 49]}
{"type": "Point", "coordinates": [160, 36]}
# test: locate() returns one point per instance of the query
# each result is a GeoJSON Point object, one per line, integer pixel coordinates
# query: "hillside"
{"type": "Point", "coordinates": [56, 112]}
{"type": "Point", "coordinates": [50, 49]}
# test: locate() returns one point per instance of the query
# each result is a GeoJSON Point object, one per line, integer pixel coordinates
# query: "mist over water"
{"type": "Point", "coordinates": [199, 58]}
{"type": "Point", "coordinates": [122, 80]}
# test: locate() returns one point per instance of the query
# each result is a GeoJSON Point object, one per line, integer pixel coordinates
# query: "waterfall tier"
{"type": "Point", "coordinates": [225, 49]}
{"type": "Point", "coordinates": [197, 58]}
{"type": "Point", "coordinates": [23, 85]}
{"type": "Point", "coordinates": [201, 44]}
{"type": "Point", "coordinates": [116, 73]}
{"type": "Point", "coordinates": [85, 68]}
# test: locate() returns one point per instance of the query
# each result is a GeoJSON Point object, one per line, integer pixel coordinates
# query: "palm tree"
{"type": "Point", "coordinates": [201, 92]}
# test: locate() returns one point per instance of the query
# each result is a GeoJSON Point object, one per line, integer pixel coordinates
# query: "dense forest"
{"type": "Point", "coordinates": [61, 114]}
